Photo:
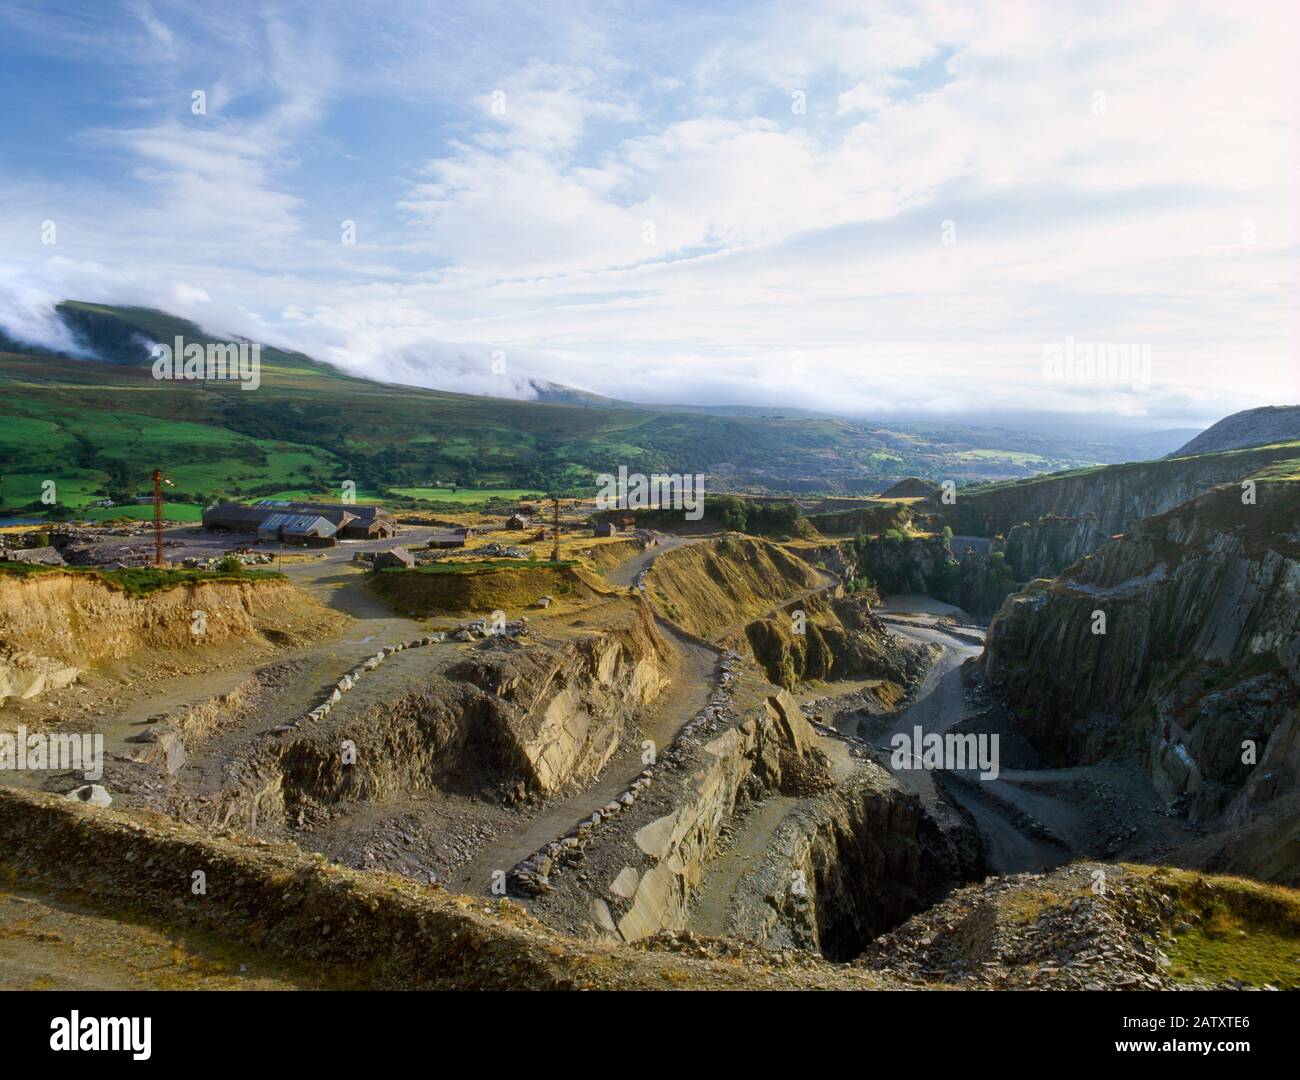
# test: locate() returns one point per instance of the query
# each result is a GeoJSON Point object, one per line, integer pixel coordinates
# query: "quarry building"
{"type": "Point", "coordinates": [303, 522]}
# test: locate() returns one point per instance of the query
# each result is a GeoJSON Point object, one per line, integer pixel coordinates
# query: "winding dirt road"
{"type": "Point", "coordinates": [938, 706]}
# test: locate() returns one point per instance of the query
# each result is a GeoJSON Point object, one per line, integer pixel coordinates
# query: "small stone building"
{"type": "Point", "coordinates": [396, 557]}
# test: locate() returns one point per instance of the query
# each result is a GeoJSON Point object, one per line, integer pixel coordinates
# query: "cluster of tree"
{"type": "Point", "coordinates": [776, 519]}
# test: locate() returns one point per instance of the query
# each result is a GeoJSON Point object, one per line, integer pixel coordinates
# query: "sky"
{"type": "Point", "coordinates": [887, 210]}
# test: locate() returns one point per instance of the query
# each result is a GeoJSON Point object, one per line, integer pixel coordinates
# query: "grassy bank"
{"type": "Point", "coordinates": [140, 581]}
{"type": "Point", "coordinates": [477, 587]}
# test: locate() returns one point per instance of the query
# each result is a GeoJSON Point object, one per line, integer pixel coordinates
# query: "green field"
{"type": "Point", "coordinates": [99, 428]}
{"type": "Point", "coordinates": [171, 512]}
{"type": "Point", "coordinates": [467, 496]}
{"type": "Point", "coordinates": [1001, 455]}
{"type": "Point", "coordinates": [325, 495]}
{"type": "Point", "coordinates": [77, 491]}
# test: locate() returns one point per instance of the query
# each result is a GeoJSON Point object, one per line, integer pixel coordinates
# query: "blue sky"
{"type": "Point", "coordinates": [888, 209]}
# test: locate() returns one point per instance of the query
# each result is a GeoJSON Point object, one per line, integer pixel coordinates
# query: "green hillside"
{"type": "Point", "coordinates": [98, 429]}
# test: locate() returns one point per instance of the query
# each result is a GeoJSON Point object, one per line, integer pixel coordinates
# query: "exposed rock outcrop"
{"type": "Point", "coordinates": [514, 720]}
{"type": "Point", "coordinates": [1047, 546]}
{"type": "Point", "coordinates": [836, 556]}
{"type": "Point", "coordinates": [821, 638]}
{"type": "Point", "coordinates": [1119, 495]}
{"type": "Point", "coordinates": [716, 587]}
{"type": "Point", "coordinates": [850, 865]}
{"type": "Point", "coordinates": [753, 756]}
{"type": "Point", "coordinates": [898, 563]}
{"type": "Point", "coordinates": [1199, 661]}
{"type": "Point", "coordinates": [54, 624]}
{"type": "Point", "coordinates": [1039, 527]}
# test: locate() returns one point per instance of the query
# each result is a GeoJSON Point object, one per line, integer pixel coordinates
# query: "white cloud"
{"type": "Point", "coordinates": [1102, 170]}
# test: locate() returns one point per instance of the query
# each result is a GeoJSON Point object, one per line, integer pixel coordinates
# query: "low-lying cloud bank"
{"type": "Point", "coordinates": [902, 382]}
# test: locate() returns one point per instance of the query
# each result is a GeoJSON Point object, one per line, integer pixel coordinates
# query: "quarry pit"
{"type": "Point", "coordinates": [656, 757]}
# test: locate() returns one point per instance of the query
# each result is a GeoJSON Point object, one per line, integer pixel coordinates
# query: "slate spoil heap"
{"type": "Point", "coordinates": [1083, 927]}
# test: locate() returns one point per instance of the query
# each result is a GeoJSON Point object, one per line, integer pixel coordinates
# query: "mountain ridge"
{"type": "Point", "coordinates": [1263, 426]}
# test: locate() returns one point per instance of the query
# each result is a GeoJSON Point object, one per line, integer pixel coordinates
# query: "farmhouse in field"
{"type": "Point", "coordinates": [303, 522]}
{"type": "Point", "coordinates": [516, 521]}
{"type": "Point", "coordinates": [606, 528]}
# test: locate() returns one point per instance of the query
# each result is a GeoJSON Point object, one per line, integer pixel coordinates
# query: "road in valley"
{"type": "Point", "coordinates": [939, 705]}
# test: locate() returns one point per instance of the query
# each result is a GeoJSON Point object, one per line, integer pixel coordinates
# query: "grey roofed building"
{"type": "Point", "coordinates": [354, 520]}
{"type": "Point", "coordinates": [310, 525]}
{"type": "Point", "coordinates": [281, 525]}
{"type": "Point", "coordinates": [234, 516]}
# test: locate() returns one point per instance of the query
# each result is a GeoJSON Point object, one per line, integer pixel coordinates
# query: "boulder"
{"type": "Point", "coordinates": [95, 794]}
{"type": "Point", "coordinates": [625, 883]}
{"type": "Point", "coordinates": [161, 745]}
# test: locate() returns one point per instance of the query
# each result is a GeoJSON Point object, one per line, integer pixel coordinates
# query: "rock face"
{"type": "Point", "coordinates": [752, 756]}
{"type": "Point", "coordinates": [1039, 527]}
{"type": "Point", "coordinates": [1252, 427]}
{"type": "Point", "coordinates": [984, 580]}
{"type": "Point", "coordinates": [1049, 545]}
{"type": "Point", "coordinates": [522, 720]}
{"type": "Point", "coordinates": [1200, 658]}
{"type": "Point", "coordinates": [901, 564]}
{"type": "Point", "coordinates": [711, 588]}
{"type": "Point", "coordinates": [52, 624]}
{"type": "Point", "coordinates": [834, 555]}
{"type": "Point", "coordinates": [840, 638]}
{"type": "Point", "coordinates": [1119, 495]}
{"type": "Point", "coordinates": [851, 865]}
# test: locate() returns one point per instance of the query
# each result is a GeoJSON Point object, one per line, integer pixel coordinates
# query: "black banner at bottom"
{"type": "Point", "coordinates": [335, 1029]}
